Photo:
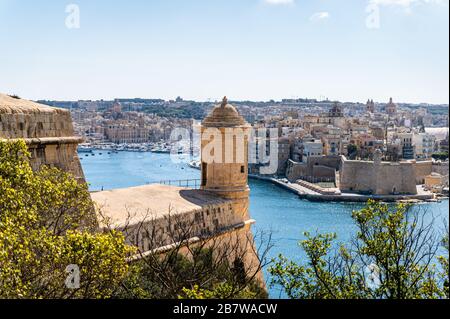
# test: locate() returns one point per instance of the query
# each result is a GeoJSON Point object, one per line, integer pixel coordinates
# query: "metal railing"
{"type": "Point", "coordinates": [189, 183]}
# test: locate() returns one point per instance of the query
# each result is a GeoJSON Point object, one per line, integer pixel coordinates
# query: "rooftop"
{"type": "Point", "coordinates": [131, 205]}
{"type": "Point", "coordinates": [224, 115]}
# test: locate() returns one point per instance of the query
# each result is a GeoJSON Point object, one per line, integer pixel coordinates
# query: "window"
{"type": "Point", "coordinates": [242, 169]}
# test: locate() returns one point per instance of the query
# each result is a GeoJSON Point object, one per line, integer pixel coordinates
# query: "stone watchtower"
{"type": "Point", "coordinates": [224, 141]}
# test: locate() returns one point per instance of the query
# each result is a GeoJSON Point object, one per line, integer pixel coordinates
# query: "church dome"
{"type": "Point", "coordinates": [224, 115]}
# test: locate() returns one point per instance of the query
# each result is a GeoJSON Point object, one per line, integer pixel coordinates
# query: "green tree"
{"type": "Point", "coordinates": [201, 275]}
{"type": "Point", "coordinates": [226, 266]}
{"type": "Point", "coordinates": [440, 156]}
{"type": "Point", "coordinates": [47, 224]}
{"type": "Point", "coordinates": [443, 260]}
{"type": "Point", "coordinates": [392, 256]}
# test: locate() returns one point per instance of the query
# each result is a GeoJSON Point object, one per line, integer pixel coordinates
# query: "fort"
{"type": "Point", "coordinates": [153, 217]}
{"type": "Point", "coordinates": [360, 180]}
{"type": "Point", "coordinates": [47, 131]}
{"type": "Point", "coordinates": [377, 177]}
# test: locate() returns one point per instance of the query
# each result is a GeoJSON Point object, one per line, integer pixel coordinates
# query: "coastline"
{"type": "Point", "coordinates": [304, 193]}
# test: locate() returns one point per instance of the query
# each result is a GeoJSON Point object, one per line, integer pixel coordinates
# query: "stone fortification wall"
{"type": "Point", "coordinates": [395, 178]}
{"type": "Point", "coordinates": [47, 131]}
{"type": "Point", "coordinates": [211, 226]}
{"type": "Point", "coordinates": [421, 170]}
{"type": "Point", "coordinates": [382, 178]}
{"type": "Point", "coordinates": [320, 166]}
{"type": "Point", "coordinates": [440, 168]}
{"type": "Point", "coordinates": [160, 231]}
{"type": "Point", "coordinates": [357, 176]}
{"type": "Point", "coordinates": [295, 170]}
{"type": "Point", "coordinates": [321, 171]}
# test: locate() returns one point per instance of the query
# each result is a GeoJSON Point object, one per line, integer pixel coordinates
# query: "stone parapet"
{"type": "Point", "coordinates": [47, 131]}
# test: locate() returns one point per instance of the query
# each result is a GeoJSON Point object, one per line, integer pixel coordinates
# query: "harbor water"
{"type": "Point", "coordinates": [275, 210]}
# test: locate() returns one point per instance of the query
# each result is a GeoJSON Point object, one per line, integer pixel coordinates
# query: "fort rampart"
{"type": "Point", "coordinates": [47, 131]}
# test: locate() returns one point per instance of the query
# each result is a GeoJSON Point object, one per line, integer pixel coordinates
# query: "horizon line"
{"type": "Point", "coordinates": [211, 100]}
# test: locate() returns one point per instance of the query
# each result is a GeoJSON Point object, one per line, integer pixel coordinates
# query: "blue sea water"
{"type": "Point", "coordinates": [275, 210]}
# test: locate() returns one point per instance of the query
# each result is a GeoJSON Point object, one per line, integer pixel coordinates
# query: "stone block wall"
{"type": "Point", "coordinates": [440, 168]}
{"type": "Point", "coordinates": [53, 123]}
{"type": "Point", "coordinates": [158, 232]}
{"type": "Point", "coordinates": [47, 131]}
{"type": "Point", "coordinates": [357, 176]}
{"type": "Point", "coordinates": [317, 166]}
{"type": "Point", "coordinates": [395, 178]}
{"type": "Point", "coordinates": [382, 178]}
{"type": "Point", "coordinates": [421, 170]}
{"type": "Point", "coordinates": [294, 170]}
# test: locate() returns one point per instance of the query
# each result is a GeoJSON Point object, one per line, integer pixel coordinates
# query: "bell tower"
{"type": "Point", "coordinates": [224, 149]}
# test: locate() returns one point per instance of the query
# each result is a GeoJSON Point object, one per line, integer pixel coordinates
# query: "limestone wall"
{"type": "Point", "coordinates": [47, 131]}
{"type": "Point", "coordinates": [155, 232]}
{"type": "Point", "coordinates": [440, 168]}
{"type": "Point", "coordinates": [330, 161]}
{"type": "Point", "coordinates": [294, 170]}
{"type": "Point", "coordinates": [15, 123]}
{"type": "Point", "coordinates": [379, 179]}
{"type": "Point", "coordinates": [421, 170]}
{"type": "Point", "coordinates": [357, 176]}
{"type": "Point", "coordinates": [396, 178]}
{"type": "Point", "coordinates": [62, 156]}
{"type": "Point", "coordinates": [322, 171]}
{"type": "Point", "coordinates": [212, 226]}
{"type": "Point", "coordinates": [317, 166]}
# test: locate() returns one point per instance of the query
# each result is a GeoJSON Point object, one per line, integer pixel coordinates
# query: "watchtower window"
{"type": "Point", "coordinates": [242, 169]}
{"type": "Point", "coordinates": [204, 173]}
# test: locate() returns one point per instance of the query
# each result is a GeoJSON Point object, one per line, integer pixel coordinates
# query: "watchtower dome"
{"type": "Point", "coordinates": [224, 135]}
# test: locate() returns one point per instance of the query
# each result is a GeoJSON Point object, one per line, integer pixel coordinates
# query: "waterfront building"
{"type": "Point", "coordinates": [284, 154]}
{"type": "Point", "coordinates": [121, 133]}
{"type": "Point", "coordinates": [424, 145]}
{"type": "Point", "coordinates": [406, 141]}
{"type": "Point", "coordinates": [443, 145]}
{"type": "Point", "coordinates": [367, 144]}
{"type": "Point", "coordinates": [378, 132]}
{"type": "Point", "coordinates": [332, 141]}
{"type": "Point", "coordinates": [311, 147]}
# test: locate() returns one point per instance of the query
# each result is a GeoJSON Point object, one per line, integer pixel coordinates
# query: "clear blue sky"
{"type": "Point", "coordinates": [245, 49]}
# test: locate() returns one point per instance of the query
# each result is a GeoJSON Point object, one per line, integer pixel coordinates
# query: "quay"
{"type": "Point", "coordinates": [314, 196]}
{"type": "Point", "coordinates": [311, 195]}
